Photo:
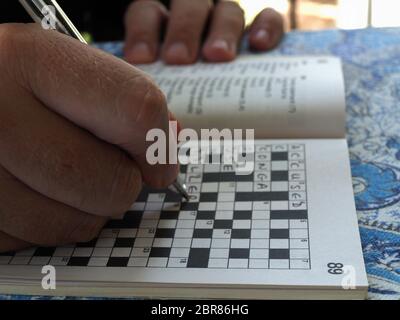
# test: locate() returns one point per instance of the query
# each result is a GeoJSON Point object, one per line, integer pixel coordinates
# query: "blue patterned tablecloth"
{"type": "Point", "coordinates": [371, 61]}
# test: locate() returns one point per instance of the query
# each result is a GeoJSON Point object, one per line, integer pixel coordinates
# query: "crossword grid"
{"type": "Point", "coordinates": [256, 221]}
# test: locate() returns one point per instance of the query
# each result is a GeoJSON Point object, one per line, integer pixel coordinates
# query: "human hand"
{"type": "Point", "coordinates": [186, 23]}
{"type": "Point", "coordinates": [73, 125]}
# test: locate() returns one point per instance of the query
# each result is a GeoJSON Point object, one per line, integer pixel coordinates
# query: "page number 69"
{"type": "Point", "coordinates": [335, 268]}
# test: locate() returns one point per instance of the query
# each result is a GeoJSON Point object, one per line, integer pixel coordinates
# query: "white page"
{"type": "Point", "coordinates": [329, 234]}
{"type": "Point", "coordinates": [279, 97]}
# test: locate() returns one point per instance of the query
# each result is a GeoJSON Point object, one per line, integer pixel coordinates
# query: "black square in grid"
{"type": "Point", "coordinates": [223, 224]}
{"type": "Point", "coordinates": [143, 195]}
{"type": "Point", "coordinates": [165, 233]}
{"type": "Point", "coordinates": [7, 254]}
{"type": "Point", "coordinates": [279, 254]}
{"type": "Point", "coordinates": [44, 252]}
{"type": "Point", "coordinates": [160, 252]}
{"type": "Point", "coordinates": [241, 234]}
{"type": "Point", "coordinates": [289, 214]}
{"type": "Point", "coordinates": [78, 261]}
{"type": "Point", "coordinates": [211, 177]}
{"type": "Point", "coordinates": [118, 262]}
{"type": "Point", "coordinates": [244, 177]}
{"type": "Point", "coordinates": [171, 196]}
{"type": "Point", "coordinates": [262, 196]}
{"type": "Point", "coordinates": [209, 197]}
{"type": "Point", "coordinates": [169, 215]}
{"type": "Point", "coordinates": [130, 221]}
{"type": "Point", "coordinates": [90, 244]}
{"type": "Point", "coordinates": [124, 242]}
{"type": "Point", "coordinates": [205, 215]}
{"type": "Point", "coordinates": [183, 168]}
{"type": "Point", "coordinates": [203, 233]}
{"type": "Point", "coordinates": [279, 233]}
{"type": "Point", "coordinates": [242, 215]}
{"type": "Point", "coordinates": [239, 253]}
{"type": "Point", "coordinates": [279, 156]}
{"type": "Point", "coordinates": [198, 258]}
{"type": "Point", "coordinates": [190, 206]}
{"type": "Point", "coordinates": [279, 176]}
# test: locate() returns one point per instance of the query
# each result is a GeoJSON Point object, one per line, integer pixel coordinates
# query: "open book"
{"type": "Point", "coordinates": [286, 230]}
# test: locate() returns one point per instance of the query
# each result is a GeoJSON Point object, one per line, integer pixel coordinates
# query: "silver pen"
{"type": "Point", "coordinates": [49, 13]}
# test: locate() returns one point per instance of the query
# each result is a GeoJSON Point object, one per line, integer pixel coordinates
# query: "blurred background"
{"type": "Point", "coordinates": [104, 22]}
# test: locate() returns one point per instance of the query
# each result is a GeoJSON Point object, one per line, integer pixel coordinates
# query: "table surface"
{"type": "Point", "coordinates": [371, 62]}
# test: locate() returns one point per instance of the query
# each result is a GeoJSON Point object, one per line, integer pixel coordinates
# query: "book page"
{"type": "Point", "coordinates": [279, 97]}
{"type": "Point", "coordinates": [289, 226]}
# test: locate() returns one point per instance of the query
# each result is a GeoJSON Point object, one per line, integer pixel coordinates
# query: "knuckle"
{"type": "Point", "coordinates": [138, 6]}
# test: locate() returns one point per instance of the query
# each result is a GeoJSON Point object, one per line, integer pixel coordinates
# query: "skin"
{"type": "Point", "coordinates": [73, 119]}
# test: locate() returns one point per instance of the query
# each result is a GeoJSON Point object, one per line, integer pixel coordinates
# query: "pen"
{"type": "Point", "coordinates": [49, 14]}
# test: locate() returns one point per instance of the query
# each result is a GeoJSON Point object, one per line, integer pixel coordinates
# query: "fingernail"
{"type": "Point", "coordinates": [221, 45]}
{"type": "Point", "coordinates": [140, 52]}
{"type": "Point", "coordinates": [177, 52]}
{"type": "Point", "coordinates": [261, 35]}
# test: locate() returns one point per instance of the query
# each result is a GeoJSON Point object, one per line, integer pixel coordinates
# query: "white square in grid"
{"type": "Point", "coordinates": [39, 261]}
{"type": "Point", "coordinates": [279, 165]}
{"type": "Point", "coordinates": [59, 261]}
{"type": "Point", "coordinates": [298, 234]}
{"type": "Point", "coordinates": [184, 233]}
{"type": "Point", "coordinates": [243, 206]}
{"type": "Point", "coordinates": [146, 233]}
{"type": "Point", "coordinates": [108, 233]}
{"type": "Point", "coordinates": [298, 175]}
{"type": "Point", "coordinates": [261, 215]}
{"type": "Point", "coordinates": [162, 242]}
{"type": "Point", "coordinates": [227, 187]}
{"type": "Point", "coordinates": [151, 215]}
{"type": "Point", "coordinates": [240, 243]}
{"type": "Point", "coordinates": [82, 252]}
{"type": "Point", "coordinates": [127, 233]}
{"type": "Point", "coordinates": [154, 206]}
{"type": "Point", "coordinates": [65, 252]}
{"type": "Point", "coordinates": [225, 206]}
{"type": "Point", "coordinates": [137, 262]}
{"type": "Point", "coordinates": [143, 242]}
{"type": "Point", "coordinates": [299, 264]}
{"type": "Point", "coordinates": [297, 196]}
{"type": "Point", "coordinates": [187, 215]}
{"type": "Point", "coordinates": [179, 253]}
{"type": "Point", "coordinates": [279, 224]}
{"type": "Point", "coordinates": [20, 261]}
{"type": "Point", "coordinates": [224, 215]}
{"type": "Point", "coordinates": [259, 243]}
{"type": "Point", "coordinates": [219, 253]}
{"type": "Point", "coordinates": [182, 243]}
{"type": "Point", "coordinates": [298, 224]}
{"type": "Point", "coordinates": [278, 264]}
{"type": "Point", "coordinates": [277, 186]}
{"type": "Point", "coordinates": [220, 243]}
{"type": "Point", "coordinates": [171, 206]}
{"type": "Point", "coordinates": [238, 263]}
{"type": "Point", "coordinates": [207, 206]}
{"type": "Point", "coordinates": [186, 224]}
{"type": "Point", "coordinates": [101, 252]}
{"type": "Point", "coordinates": [297, 205]}
{"type": "Point", "coordinates": [218, 263]}
{"type": "Point", "coordinates": [259, 264]}
{"type": "Point", "coordinates": [148, 224]}
{"type": "Point", "coordinates": [299, 243]}
{"type": "Point", "coordinates": [121, 252]}
{"type": "Point", "coordinates": [138, 206]}
{"type": "Point", "coordinates": [299, 254]}
{"type": "Point", "coordinates": [4, 260]}
{"type": "Point", "coordinates": [262, 176]}
{"type": "Point", "coordinates": [261, 205]}
{"type": "Point", "coordinates": [156, 197]}
{"type": "Point", "coordinates": [204, 224]}
{"type": "Point", "coordinates": [241, 224]}
{"type": "Point", "coordinates": [98, 262]}
{"type": "Point", "coordinates": [279, 244]}
{"type": "Point", "coordinates": [226, 197]}
{"type": "Point", "coordinates": [193, 188]}
{"type": "Point", "coordinates": [262, 166]}
{"type": "Point", "coordinates": [244, 186]}
{"type": "Point", "coordinates": [201, 243]}
{"type": "Point", "coordinates": [221, 234]}
{"type": "Point", "coordinates": [296, 147]}
{"type": "Point", "coordinates": [259, 254]}
{"type": "Point", "coordinates": [140, 252]}
{"type": "Point", "coordinates": [177, 263]}
{"type": "Point", "coordinates": [212, 168]}
{"type": "Point", "coordinates": [279, 148]}
{"type": "Point", "coordinates": [264, 186]}
{"type": "Point", "coordinates": [157, 262]}
{"type": "Point", "coordinates": [26, 253]}
{"type": "Point", "coordinates": [193, 178]}
{"type": "Point", "coordinates": [260, 224]}
{"type": "Point", "coordinates": [209, 187]}
{"type": "Point", "coordinates": [260, 234]}
{"type": "Point", "coordinates": [297, 186]}
{"type": "Point", "coordinates": [279, 205]}
{"type": "Point", "coordinates": [167, 224]}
